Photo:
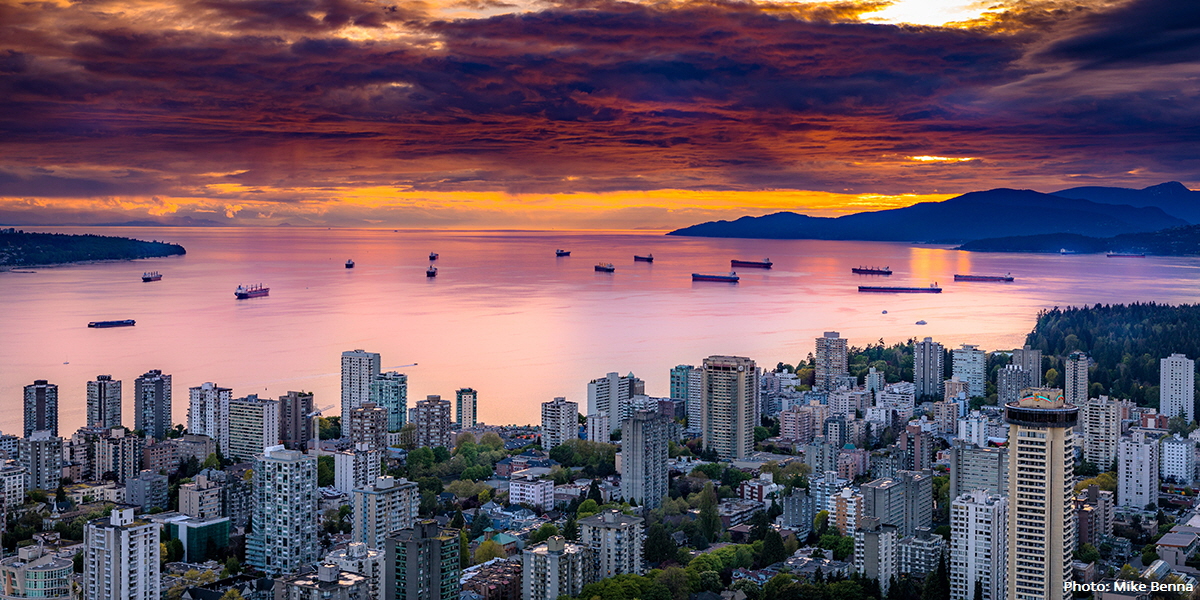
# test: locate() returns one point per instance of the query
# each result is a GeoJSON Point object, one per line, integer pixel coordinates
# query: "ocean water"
{"type": "Point", "coordinates": [504, 315]}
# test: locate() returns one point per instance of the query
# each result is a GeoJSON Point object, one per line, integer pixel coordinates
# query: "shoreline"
{"type": "Point", "coordinates": [20, 268]}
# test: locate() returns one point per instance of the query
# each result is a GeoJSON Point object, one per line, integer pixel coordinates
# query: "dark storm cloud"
{"type": "Point", "coordinates": [588, 95]}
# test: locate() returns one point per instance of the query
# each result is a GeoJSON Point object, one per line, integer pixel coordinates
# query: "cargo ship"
{"type": "Point", "coordinates": [1005, 277]}
{"type": "Point", "coordinates": [431, 271]}
{"type": "Point", "coordinates": [932, 289]}
{"type": "Point", "coordinates": [433, 256]}
{"type": "Point", "coordinates": [562, 252]}
{"type": "Point", "coordinates": [871, 271]}
{"type": "Point", "coordinates": [254, 291]}
{"type": "Point", "coordinates": [350, 264]}
{"type": "Point", "coordinates": [151, 276]}
{"type": "Point", "coordinates": [104, 324]}
{"type": "Point", "coordinates": [1126, 255]}
{"type": "Point", "coordinates": [605, 268]}
{"type": "Point", "coordinates": [646, 258]}
{"type": "Point", "coordinates": [752, 264]}
{"type": "Point", "coordinates": [730, 278]}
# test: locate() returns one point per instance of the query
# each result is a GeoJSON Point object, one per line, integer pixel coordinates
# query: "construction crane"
{"type": "Point", "coordinates": [315, 443]}
{"type": "Point", "coordinates": [399, 367]}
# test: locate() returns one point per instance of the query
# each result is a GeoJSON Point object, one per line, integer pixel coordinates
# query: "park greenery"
{"type": "Point", "coordinates": [27, 248]}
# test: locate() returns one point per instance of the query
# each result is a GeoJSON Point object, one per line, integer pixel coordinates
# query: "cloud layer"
{"type": "Point", "coordinates": [349, 109]}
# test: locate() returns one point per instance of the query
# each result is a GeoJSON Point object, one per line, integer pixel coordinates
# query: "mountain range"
{"type": "Point", "coordinates": [1086, 211]}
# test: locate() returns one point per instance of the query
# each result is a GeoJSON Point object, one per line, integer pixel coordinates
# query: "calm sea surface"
{"type": "Point", "coordinates": [504, 315]}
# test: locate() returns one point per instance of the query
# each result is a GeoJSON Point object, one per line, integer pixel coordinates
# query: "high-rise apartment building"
{"type": "Point", "coordinates": [1137, 470]}
{"type": "Point", "coordinates": [556, 568]}
{"type": "Point", "coordinates": [598, 427]}
{"type": "Point", "coordinates": [423, 562]}
{"type": "Point", "coordinates": [729, 387]}
{"type": "Point", "coordinates": [978, 546]}
{"type": "Point", "coordinates": [956, 389]}
{"type": "Point", "coordinates": [295, 425]}
{"type": "Point", "coordinates": [202, 498]}
{"type": "Point", "coordinates": [1101, 429]}
{"type": "Point", "coordinates": [832, 361]}
{"type": "Point", "coordinates": [1030, 360]}
{"type": "Point", "coordinates": [685, 385]}
{"type": "Point", "coordinates": [466, 404]}
{"type": "Point", "coordinates": [104, 401]}
{"type": "Point", "coordinates": [41, 454]}
{"type": "Point", "coordinates": [1178, 464]}
{"type": "Point", "coordinates": [382, 508]}
{"type": "Point", "coordinates": [152, 404]}
{"type": "Point", "coordinates": [1075, 368]}
{"type": "Point", "coordinates": [845, 510]}
{"type": "Point", "coordinates": [929, 368]}
{"type": "Point", "coordinates": [875, 551]}
{"type": "Point", "coordinates": [368, 562]}
{"type": "Point", "coordinates": [799, 423]}
{"type": "Point", "coordinates": [390, 390]}
{"type": "Point", "coordinates": [253, 427]}
{"type": "Point", "coordinates": [36, 572]}
{"type": "Point", "coordinates": [560, 422]}
{"type": "Point", "coordinates": [356, 468]}
{"type": "Point", "coordinates": [616, 541]}
{"type": "Point", "coordinates": [208, 412]}
{"type": "Point", "coordinates": [286, 512]}
{"type": "Point", "coordinates": [1041, 522]}
{"type": "Point", "coordinates": [645, 438]}
{"type": "Point", "coordinates": [978, 468]}
{"type": "Point", "coordinates": [970, 365]}
{"type": "Point", "coordinates": [432, 418]}
{"type": "Point", "coordinates": [117, 456]}
{"type": "Point", "coordinates": [904, 501]}
{"type": "Point", "coordinates": [41, 407]}
{"type": "Point", "coordinates": [1010, 381]}
{"type": "Point", "coordinates": [328, 582]}
{"type": "Point", "coordinates": [369, 425]}
{"type": "Point", "coordinates": [613, 395]}
{"type": "Point", "coordinates": [1177, 386]}
{"type": "Point", "coordinates": [359, 369]}
{"type": "Point", "coordinates": [121, 558]}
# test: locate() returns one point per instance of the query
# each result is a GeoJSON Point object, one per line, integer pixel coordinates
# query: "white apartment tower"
{"type": "Point", "coordinates": [1010, 381]}
{"type": "Point", "coordinates": [970, 365]}
{"type": "Point", "coordinates": [1177, 386]}
{"type": "Point", "coordinates": [929, 368]}
{"type": "Point", "coordinates": [253, 427]}
{"type": "Point", "coordinates": [208, 412]}
{"type": "Point", "coordinates": [644, 452]}
{"type": "Point", "coordinates": [121, 557]}
{"type": "Point", "coordinates": [613, 395]}
{"type": "Point", "coordinates": [286, 512]}
{"type": "Point", "coordinates": [356, 468]}
{"type": "Point", "coordinates": [1031, 361]}
{"type": "Point", "coordinates": [876, 552]}
{"type": "Point", "coordinates": [466, 406]}
{"type": "Point", "coordinates": [560, 422]}
{"type": "Point", "coordinates": [1137, 470]}
{"type": "Point", "coordinates": [1101, 430]}
{"type": "Point", "coordinates": [616, 539]}
{"type": "Point", "coordinates": [556, 568]}
{"type": "Point", "coordinates": [598, 427]}
{"type": "Point", "coordinates": [729, 385]}
{"type": "Point", "coordinates": [1075, 366]}
{"type": "Point", "coordinates": [104, 401]}
{"type": "Point", "coordinates": [41, 456]}
{"type": "Point", "coordinates": [359, 369]}
{"type": "Point", "coordinates": [832, 361]}
{"type": "Point", "coordinates": [1041, 523]}
{"type": "Point", "coordinates": [978, 545]}
{"type": "Point", "coordinates": [1178, 459]}
{"type": "Point", "coordinates": [382, 508]}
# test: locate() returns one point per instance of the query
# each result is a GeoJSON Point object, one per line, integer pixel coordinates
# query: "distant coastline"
{"type": "Point", "coordinates": [1176, 241]}
{"type": "Point", "coordinates": [20, 249]}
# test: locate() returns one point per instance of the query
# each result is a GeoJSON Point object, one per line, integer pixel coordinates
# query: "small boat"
{"type": "Point", "coordinates": [871, 271]}
{"type": "Point", "coordinates": [646, 258]}
{"type": "Point", "coordinates": [105, 324]}
{"type": "Point", "coordinates": [431, 271]}
{"type": "Point", "coordinates": [1127, 255]}
{"type": "Point", "coordinates": [350, 264]}
{"type": "Point", "coordinates": [433, 256]}
{"type": "Point", "coordinates": [1005, 277]}
{"type": "Point", "coordinates": [151, 276]}
{"type": "Point", "coordinates": [562, 252]}
{"type": "Point", "coordinates": [932, 289]}
{"type": "Point", "coordinates": [254, 291]}
{"type": "Point", "coordinates": [752, 264]}
{"type": "Point", "coordinates": [1065, 251]}
{"type": "Point", "coordinates": [885, 312]}
{"type": "Point", "coordinates": [922, 322]}
{"type": "Point", "coordinates": [605, 268]}
{"type": "Point", "coordinates": [730, 278]}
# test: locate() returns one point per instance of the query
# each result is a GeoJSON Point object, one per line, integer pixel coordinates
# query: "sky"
{"type": "Point", "coordinates": [587, 114]}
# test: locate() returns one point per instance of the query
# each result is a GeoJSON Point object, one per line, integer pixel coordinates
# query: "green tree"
{"type": "Point", "coordinates": [1088, 554]}
{"type": "Point", "coordinates": [543, 533]}
{"type": "Point", "coordinates": [571, 528]}
{"type": "Point", "coordinates": [330, 428]}
{"type": "Point", "coordinates": [772, 549]}
{"type": "Point", "coordinates": [709, 521]}
{"type": "Point", "coordinates": [233, 566]}
{"type": "Point", "coordinates": [464, 550]}
{"type": "Point", "coordinates": [482, 522]}
{"type": "Point", "coordinates": [488, 550]}
{"type": "Point", "coordinates": [457, 521]}
{"type": "Point", "coordinates": [659, 547]}
{"type": "Point", "coordinates": [492, 440]}
{"type": "Point", "coordinates": [759, 525]}
{"type": "Point", "coordinates": [325, 470]}
{"type": "Point", "coordinates": [587, 508]}
{"type": "Point", "coordinates": [232, 594]}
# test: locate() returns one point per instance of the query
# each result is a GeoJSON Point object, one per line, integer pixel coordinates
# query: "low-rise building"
{"type": "Point", "coordinates": [327, 583]}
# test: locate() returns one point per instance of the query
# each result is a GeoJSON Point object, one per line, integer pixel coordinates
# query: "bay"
{"type": "Point", "coordinates": [504, 315]}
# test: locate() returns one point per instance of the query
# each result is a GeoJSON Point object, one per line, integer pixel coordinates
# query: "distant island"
{"type": "Point", "coordinates": [22, 249]}
{"type": "Point", "coordinates": [998, 213]}
{"type": "Point", "coordinates": [1176, 241]}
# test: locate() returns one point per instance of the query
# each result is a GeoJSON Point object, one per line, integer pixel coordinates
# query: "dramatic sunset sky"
{"type": "Point", "coordinates": [579, 113]}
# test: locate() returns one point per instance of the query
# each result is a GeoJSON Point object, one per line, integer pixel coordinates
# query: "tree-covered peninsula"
{"type": "Point", "coordinates": [20, 248]}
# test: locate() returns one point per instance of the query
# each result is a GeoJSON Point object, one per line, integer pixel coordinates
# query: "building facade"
{"type": "Point", "coordinates": [560, 422]}
{"type": "Point", "coordinates": [929, 368]}
{"type": "Point", "coordinates": [208, 412]}
{"type": "Point", "coordinates": [729, 388]}
{"type": "Point", "coordinates": [104, 401]}
{"type": "Point", "coordinates": [466, 404]}
{"type": "Point", "coordinates": [390, 390]}
{"type": "Point", "coordinates": [613, 395]}
{"type": "Point", "coordinates": [423, 562]}
{"type": "Point", "coordinates": [359, 369]}
{"type": "Point", "coordinates": [645, 438]}
{"type": "Point", "coordinates": [369, 425]}
{"type": "Point", "coordinates": [556, 568]}
{"type": "Point", "coordinates": [295, 424]}
{"type": "Point", "coordinates": [970, 365]}
{"type": "Point", "coordinates": [832, 361]}
{"type": "Point", "coordinates": [286, 512]}
{"type": "Point", "coordinates": [41, 407]}
{"type": "Point", "coordinates": [978, 545]}
{"type": "Point", "coordinates": [121, 558]}
{"type": "Point", "coordinates": [432, 418]}
{"type": "Point", "coordinates": [1177, 386]}
{"type": "Point", "coordinates": [41, 455]}
{"type": "Point", "coordinates": [152, 403]}
{"type": "Point", "coordinates": [253, 427]}
{"type": "Point", "coordinates": [1137, 470]}
{"type": "Point", "coordinates": [383, 508]}
{"type": "Point", "coordinates": [616, 541]}
{"type": "Point", "coordinates": [1101, 429]}
{"type": "Point", "coordinates": [1075, 373]}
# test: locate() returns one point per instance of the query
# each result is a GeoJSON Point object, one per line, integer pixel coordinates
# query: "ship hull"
{"type": "Point", "coordinates": [604, 270]}
{"type": "Point", "coordinates": [1119, 255]}
{"type": "Point", "coordinates": [982, 278]}
{"type": "Point", "coordinates": [151, 278]}
{"type": "Point", "coordinates": [254, 294]}
{"type": "Point", "coordinates": [750, 264]}
{"type": "Point", "coordinates": [718, 278]}
{"type": "Point", "coordinates": [899, 290]}
{"type": "Point", "coordinates": [871, 271]}
{"type": "Point", "coordinates": [107, 324]}
{"type": "Point", "coordinates": [643, 258]}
